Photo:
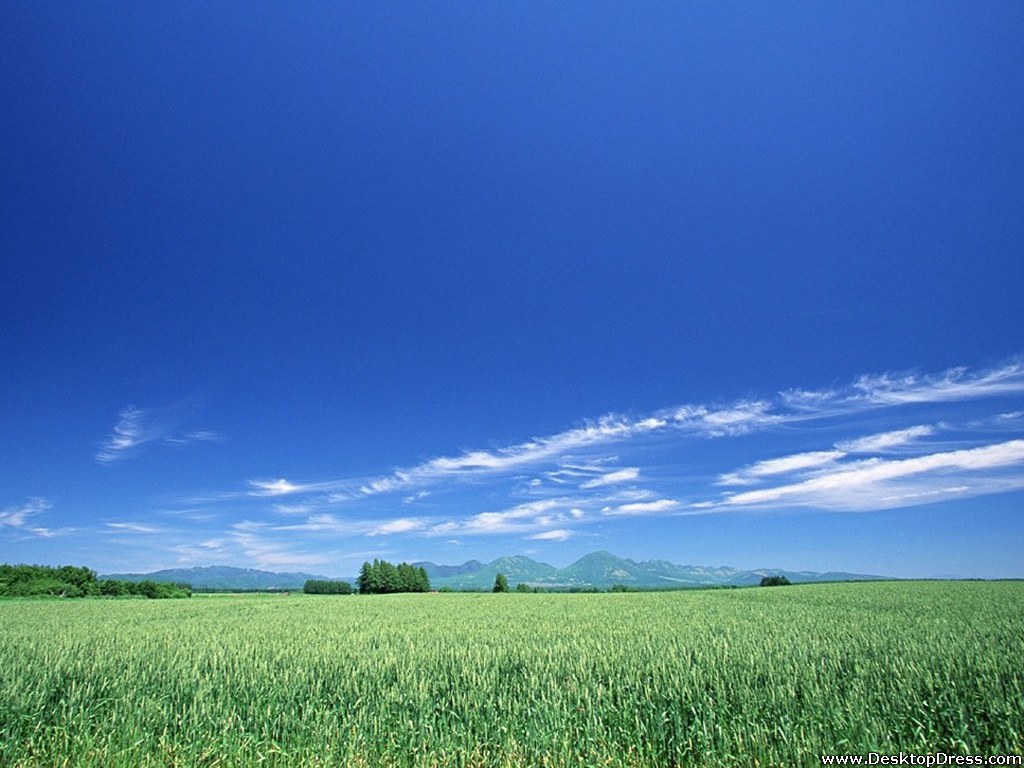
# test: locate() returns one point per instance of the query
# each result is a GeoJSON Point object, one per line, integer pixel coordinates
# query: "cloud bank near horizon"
{"type": "Point", "coordinates": [615, 469]}
{"type": "Point", "coordinates": [563, 485]}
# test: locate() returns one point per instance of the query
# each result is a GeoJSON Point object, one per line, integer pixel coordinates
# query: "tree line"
{"type": "Point", "coordinates": [75, 581]}
{"type": "Point", "coordinates": [383, 578]}
{"type": "Point", "coordinates": [323, 587]}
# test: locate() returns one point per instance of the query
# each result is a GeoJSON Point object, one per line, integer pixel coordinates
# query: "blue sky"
{"type": "Point", "coordinates": [291, 287]}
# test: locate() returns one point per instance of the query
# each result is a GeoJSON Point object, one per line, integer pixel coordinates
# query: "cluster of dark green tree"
{"type": "Point", "coordinates": [323, 587]}
{"type": "Point", "coordinates": [501, 585]}
{"type": "Point", "coordinates": [74, 581]}
{"type": "Point", "coordinates": [383, 578]}
{"type": "Point", "coordinates": [154, 590]}
{"type": "Point", "coordinates": [774, 581]}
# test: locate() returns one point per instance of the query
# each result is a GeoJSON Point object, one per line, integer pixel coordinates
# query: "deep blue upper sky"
{"type": "Point", "coordinates": [290, 286]}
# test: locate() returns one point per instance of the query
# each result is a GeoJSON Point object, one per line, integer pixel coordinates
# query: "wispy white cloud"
{"type": "Point", "coordinates": [607, 429]}
{"type": "Point", "coordinates": [399, 525]}
{"type": "Point", "coordinates": [642, 508]}
{"type": "Point", "coordinates": [205, 552]}
{"type": "Point", "coordinates": [902, 388]}
{"type": "Point", "coordinates": [704, 421]}
{"type": "Point", "coordinates": [817, 460]}
{"type": "Point", "coordinates": [571, 470]}
{"type": "Point", "coordinates": [283, 487]}
{"type": "Point", "coordinates": [137, 426]}
{"type": "Point", "coordinates": [196, 436]}
{"type": "Point", "coordinates": [16, 517]}
{"type": "Point", "coordinates": [19, 518]}
{"type": "Point", "coordinates": [762, 469]}
{"type": "Point", "coordinates": [341, 526]}
{"type": "Point", "coordinates": [522, 518]}
{"type": "Point", "coordinates": [274, 558]}
{"type": "Point", "coordinates": [738, 419]}
{"type": "Point", "coordinates": [879, 483]}
{"type": "Point", "coordinates": [557, 534]}
{"type": "Point", "coordinates": [263, 548]}
{"type": "Point", "coordinates": [560, 477]}
{"type": "Point", "coordinates": [129, 432]}
{"type": "Point", "coordinates": [711, 422]}
{"type": "Point", "coordinates": [809, 400]}
{"type": "Point", "coordinates": [927, 495]}
{"type": "Point", "coordinates": [279, 487]}
{"type": "Point", "coordinates": [133, 528]}
{"type": "Point", "coordinates": [885, 441]}
{"type": "Point", "coordinates": [626, 475]}
{"type": "Point", "coordinates": [305, 508]}
{"type": "Point", "coordinates": [326, 522]}
{"type": "Point", "coordinates": [953, 384]}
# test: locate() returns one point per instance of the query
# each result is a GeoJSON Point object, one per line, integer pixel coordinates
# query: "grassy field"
{"type": "Point", "coordinates": [770, 677]}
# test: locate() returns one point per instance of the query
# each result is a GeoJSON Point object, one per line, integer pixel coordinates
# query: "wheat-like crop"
{"type": "Point", "coordinates": [752, 677]}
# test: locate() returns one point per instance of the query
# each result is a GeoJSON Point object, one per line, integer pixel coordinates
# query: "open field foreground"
{"type": "Point", "coordinates": [769, 677]}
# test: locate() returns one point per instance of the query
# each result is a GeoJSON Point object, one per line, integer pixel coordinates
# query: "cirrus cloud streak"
{"type": "Point", "coordinates": [859, 448]}
{"type": "Point", "coordinates": [879, 483]}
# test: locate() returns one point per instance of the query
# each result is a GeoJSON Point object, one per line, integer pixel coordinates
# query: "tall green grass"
{"type": "Point", "coordinates": [769, 677]}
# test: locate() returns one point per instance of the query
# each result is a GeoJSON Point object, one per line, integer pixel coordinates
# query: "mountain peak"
{"type": "Point", "coordinates": [600, 555]}
{"type": "Point", "coordinates": [520, 566]}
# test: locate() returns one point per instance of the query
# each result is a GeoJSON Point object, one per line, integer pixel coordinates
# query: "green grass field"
{"type": "Point", "coordinates": [770, 677]}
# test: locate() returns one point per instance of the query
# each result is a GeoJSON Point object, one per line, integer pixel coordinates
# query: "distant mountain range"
{"type": "Point", "coordinates": [603, 570]}
{"type": "Point", "coordinates": [222, 577]}
{"type": "Point", "coordinates": [598, 569]}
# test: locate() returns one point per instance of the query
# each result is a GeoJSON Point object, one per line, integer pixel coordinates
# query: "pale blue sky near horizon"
{"type": "Point", "coordinates": [291, 287]}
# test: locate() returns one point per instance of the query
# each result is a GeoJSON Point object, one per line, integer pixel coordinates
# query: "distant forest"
{"type": "Point", "coordinates": [382, 578]}
{"type": "Point", "coordinates": [327, 587]}
{"type": "Point", "coordinates": [73, 581]}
